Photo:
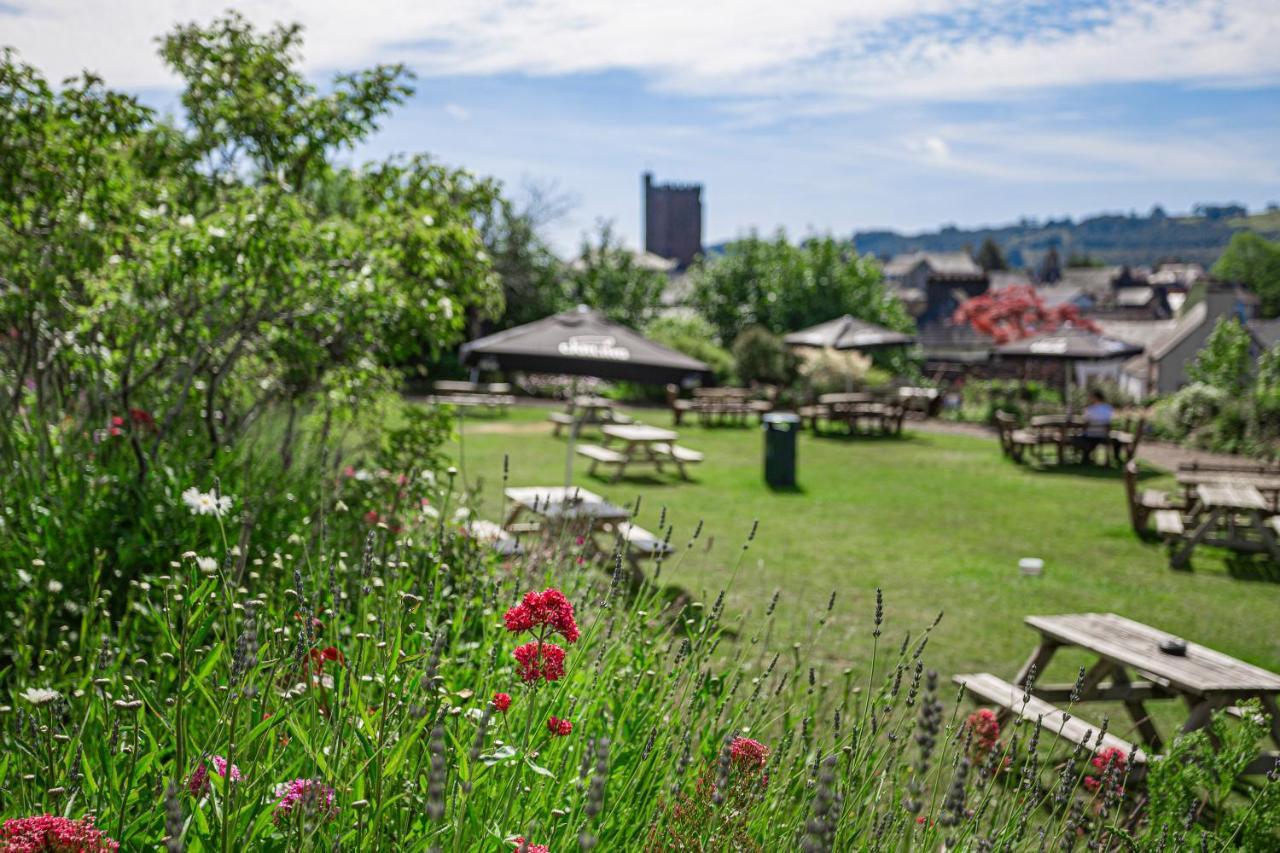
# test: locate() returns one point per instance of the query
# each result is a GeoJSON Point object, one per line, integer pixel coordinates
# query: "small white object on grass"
{"type": "Point", "coordinates": [1032, 566]}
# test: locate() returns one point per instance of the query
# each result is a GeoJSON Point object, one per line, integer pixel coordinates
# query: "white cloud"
{"type": "Point", "coordinates": [813, 54]}
{"type": "Point", "coordinates": [457, 111]}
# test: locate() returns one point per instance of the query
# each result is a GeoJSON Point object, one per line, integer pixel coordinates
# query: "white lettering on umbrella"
{"type": "Point", "coordinates": [1049, 346]}
{"type": "Point", "coordinates": [594, 346]}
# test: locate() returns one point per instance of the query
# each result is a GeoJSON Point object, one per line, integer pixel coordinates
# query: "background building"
{"type": "Point", "coordinates": [673, 220]}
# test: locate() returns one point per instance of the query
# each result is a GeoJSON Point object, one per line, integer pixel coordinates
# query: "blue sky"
{"type": "Point", "coordinates": [812, 115]}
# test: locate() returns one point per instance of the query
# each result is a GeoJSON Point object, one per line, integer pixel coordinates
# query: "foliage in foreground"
{"type": "Point", "coordinates": [413, 693]}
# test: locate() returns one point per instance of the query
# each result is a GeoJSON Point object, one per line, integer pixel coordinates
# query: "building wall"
{"type": "Point", "coordinates": [673, 220]}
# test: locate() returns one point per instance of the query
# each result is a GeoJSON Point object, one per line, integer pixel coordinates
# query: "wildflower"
{"type": "Point", "coordinates": [523, 846]}
{"type": "Point", "coordinates": [501, 701]}
{"type": "Point", "coordinates": [985, 728]}
{"type": "Point", "coordinates": [320, 656]}
{"type": "Point", "coordinates": [748, 754]}
{"type": "Point", "coordinates": [304, 795]}
{"type": "Point", "coordinates": [1111, 759]}
{"type": "Point", "coordinates": [549, 608]}
{"type": "Point", "coordinates": [54, 587]}
{"type": "Point", "coordinates": [539, 660]}
{"type": "Point", "coordinates": [206, 503]}
{"type": "Point", "coordinates": [55, 834]}
{"type": "Point", "coordinates": [559, 727]}
{"type": "Point", "coordinates": [372, 517]}
{"type": "Point", "coordinates": [198, 784]}
{"type": "Point", "coordinates": [41, 695]}
{"type": "Point", "coordinates": [142, 418]}
{"type": "Point", "coordinates": [206, 564]}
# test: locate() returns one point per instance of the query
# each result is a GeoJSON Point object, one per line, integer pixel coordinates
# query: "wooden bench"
{"type": "Point", "coordinates": [681, 456]}
{"type": "Point", "coordinates": [1169, 523]}
{"type": "Point", "coordinates": [601, 456]}
{"type": "Point", "coordinates": [1014, 441]}
{"type": "Point", "coordinates": [492, 534]}
{"type": "Point", "coordinates": [1143, 503]}
{"type": "Point", "coordinates": [642, 542]}
{"type": "Point", "coordinates": [559, 420]}
{"type": "Point", "coordinates": [1067, 725]}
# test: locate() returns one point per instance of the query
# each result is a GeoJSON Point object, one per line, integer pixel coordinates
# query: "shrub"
{"type": "Point", "coordinates": [1226, 361]}
{"type": "Point", "coordinates": [761, 356]}
{"type": "Point", "coordinates": [829, 370]}
{"type": "Point", "coordinates": [694, 336]}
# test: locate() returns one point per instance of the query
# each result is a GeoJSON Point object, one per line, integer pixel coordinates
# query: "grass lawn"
{"type": "Point", "coordinates": [937, 521]}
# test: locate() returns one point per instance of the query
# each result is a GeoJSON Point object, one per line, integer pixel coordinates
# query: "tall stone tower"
{"type": "Point", "coordinates": [673, 220]}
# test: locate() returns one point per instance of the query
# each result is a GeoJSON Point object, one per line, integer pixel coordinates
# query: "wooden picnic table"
{"type": "Point", "coordinates": [560, 505]}
{"type": "Point", "coordinates": [1231, 515]}
{"type": "Point", "coordinates": [643, 445]}
{"type": "Point", "coordinates": [1265, 482]}
{"type": "Point", "coordinates": [1132, 668]}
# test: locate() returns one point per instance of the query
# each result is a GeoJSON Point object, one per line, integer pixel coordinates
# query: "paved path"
{"type": "Point", "coordinates": [1158, 453]}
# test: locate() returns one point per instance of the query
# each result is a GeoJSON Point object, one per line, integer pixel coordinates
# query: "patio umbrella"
{"type": "Point", "coordinates": [848, 332]}
{"type": "Point", "coordinates": [1069, 345]}
{"type": "Point", "coordinates": [582, 342]}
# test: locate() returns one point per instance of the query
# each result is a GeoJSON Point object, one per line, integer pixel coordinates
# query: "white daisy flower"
{"type": "Point", "coordinates": [186, 220]}
{"type": "Point", "coordinates": [40, 695]}
{"type": "Point", "coordinates": [207, 564]}
{"type": "Point", "coordinates": [55, 587]}
{"type": "Point", "coordinates": [206, 503]}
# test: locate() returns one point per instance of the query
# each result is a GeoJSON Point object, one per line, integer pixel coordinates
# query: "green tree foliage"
{"type": "Point", "coordinates": [1225, 362]}
{"type": "Point", "coordinates": [761, 356]}
{"type": "Point", "coordinates": [693, 336]}
{"type": "Point", "coordinates": [1254, 262]}
{"type": "Point", "coordinates": [532, 277]}
{"type": "Point", "coordinates": [607, 276]}
{"type": "Point", "coordinates": [989, 256]}
{"type": "Point", "coordinates": [785, 287]}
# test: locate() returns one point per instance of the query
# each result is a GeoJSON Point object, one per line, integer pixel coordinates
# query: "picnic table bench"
{"type": "Point", "coordinates": [858, 412]}
{"type": "Point", "coordinates": [495, 395]}
{"type": "Point", "coordinates": [586, 410]}
{"type": "Point", "coordinates": [641, 444]}
{"type": "Point", "coordinates": [1135, 663]}
{"type": "Point", "coordinates": [1146, 502]}
{"type": "Point", "coordinates": [1228, 514]}
{"type": "Point", "coordinates": [1265, 479]}
{"type": "Point", "coordinates": [718, 405]}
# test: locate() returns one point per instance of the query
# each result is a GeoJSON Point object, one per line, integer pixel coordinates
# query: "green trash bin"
{"type": "Point", "coordinates": [780, 430]}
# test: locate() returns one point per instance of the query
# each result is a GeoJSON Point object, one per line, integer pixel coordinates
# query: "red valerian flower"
{"type": "Point", "coordinates": [559, 727]}
{"type": "Point", "coordinates": [501, 702]}
{"type": "Point", "coordinates": [539, 660]}
{"type": "Point", "coordinates": [549, 608]}
{"type": "Point", "coordinates": [307, 796]}
{"type": "Point", "coordinates": [198, 784]}
{"type": "Point", "coordinates": [48, 832]}
{"type": "Point", "coordinates": [141, 417]}
{"type": "Point", "coordinates": [523, 846]}
{"type": "Point", "coordinates": [371, 517]}
{"type": "Point", "coordinates": [320, 656]}
{"type": "Point", "coordinates": [747, 753]}
{"type": "Point", "coordinates": [985, 728]}
{"type": "Point", "coordinates": [1113, 757]}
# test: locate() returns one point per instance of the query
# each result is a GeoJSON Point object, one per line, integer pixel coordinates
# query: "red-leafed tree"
{"type": "Point", "coordinates": [1017, 312]}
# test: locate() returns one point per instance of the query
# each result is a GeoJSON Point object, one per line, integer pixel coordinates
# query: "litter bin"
{"type": "Point", "coordinates": [780, 430]}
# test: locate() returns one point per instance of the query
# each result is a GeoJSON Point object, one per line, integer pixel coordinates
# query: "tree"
{"type": "Point", "coordinates": [533, 278]}
{"type": "Point", "coordinates": [609, 277]}
{"type": "Point", "coordinates": [1225, 362]}
{"type": "Point", "coordinates": [784, 287]}
{"type": "Point", "coordinates": [1253, 261]}
{"type": "Point", "coordinates": [1050, 269]}
{"type": "Point", "coordinates": [694, 336]}
{"type": "Point", "coordinates": [989, 256]}
{"type": "Point", "coordinates": [761, 356]}
{"type": "Point", "coordinates": [1017, 312]}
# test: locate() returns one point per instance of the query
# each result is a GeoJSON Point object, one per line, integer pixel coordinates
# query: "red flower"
{"type": "Point", "coordinates": [141, 417]}
{"type": "Point", "coordinates": [985, 728]}
{"type": "Point", "coordinates": [371, 517]}
{"type": "Point", "coordinates": [117, 421]}
{"type": "Point", "coordinates": [501, 702]}
{"type": "Point", "coordinates": [320, 656]}
{"type": "Point", "coordinates": [545, 660]}
{"type": "Point", "coordinates": [523, 846]}
{"type": "Point", "coordinates": [54, 834]}
{"type": "Point", "coordinates": [549, 608]}
{"type": "Point", "coordinates": [748, 754]}
{"type": "Point", "coordinates": [559, 727]}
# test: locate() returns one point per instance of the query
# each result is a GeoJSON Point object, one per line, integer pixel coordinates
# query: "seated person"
{"type": "Point", "coordinates": [1097, 425]}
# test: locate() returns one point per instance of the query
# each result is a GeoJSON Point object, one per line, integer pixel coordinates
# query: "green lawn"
{"type": "Point", "coordinates": [937, 521]}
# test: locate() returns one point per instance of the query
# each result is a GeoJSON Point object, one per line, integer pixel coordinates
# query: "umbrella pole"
{"type": "Point", "coordinates": [573, 435]}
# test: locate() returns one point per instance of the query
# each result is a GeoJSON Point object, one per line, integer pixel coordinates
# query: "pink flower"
{"type": "Point", "coordinates": [51, 834]}
{"type": "Point", "coordinates": [198, 784]}
{"type": "Point", "coordinates": [304, 796]}
{"type": "Point", "coordinates": [549, 608]}
{"type": "Point", "coordinates": [747, 753]}
{"type": "Point", "coordinates": [523, 846]}
{"type": "Point", "coordinates": [501, 702]}
{"type": "Point", "coordinates": [539, 660]}
{"type": "Point", "coordinates": [559, 727]}
{"type": "Point", "coordinates": [985, 728]}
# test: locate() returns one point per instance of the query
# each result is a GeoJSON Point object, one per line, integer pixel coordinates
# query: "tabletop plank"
{"type": "Point", "coordinates": [1202, 671]}
{"type": "Point", "coordinates": [639, 433]}
{"type": "Point", "coordinates": [1230, 496]}
{"type": "Point", "coordinates": [559, 502]}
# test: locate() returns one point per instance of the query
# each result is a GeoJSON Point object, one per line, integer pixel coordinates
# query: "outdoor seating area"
{"type": "Point", "coordinates": [1062, 439]}
{"type": "Point", "coordinates": [1133, 664]}
{"type": "Point", "coordinates": [856, 413]}
{"type": "Point", "coordinates": [629, 445]}
{"type": "Point", "coordinates": [1231, 506]}
{"type": "Point", "coordinates": [719, 406]}
{"type": "Point", "coordinates": [494, 396]}
{"type": "Point", "coordinates": [585, 411]}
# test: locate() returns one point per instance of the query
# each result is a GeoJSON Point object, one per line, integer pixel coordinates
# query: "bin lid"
{"type": "Point", "coordinates": [781, 418]}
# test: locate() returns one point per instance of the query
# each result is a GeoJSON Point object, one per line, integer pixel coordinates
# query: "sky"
{"type": "Point", "coordinates": [816, 116]}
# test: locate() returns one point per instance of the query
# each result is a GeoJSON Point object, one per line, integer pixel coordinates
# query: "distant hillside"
{"type": "Point", "coordinates": [1112, 239]}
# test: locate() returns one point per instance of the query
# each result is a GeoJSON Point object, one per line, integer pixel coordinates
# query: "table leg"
{"type": "Point", "coordinates": [1138, 712]}
{"type": "Point", "coordinates": [626, 460]}
{"type": "Point", "coordinates": [1038, 661]}
{"type": "Point", "coordinates": [512, 515]}
{"type": "Point", "coordinates": [1268, 535]}
{"type": "Point", "coordinates": [1182, 555]}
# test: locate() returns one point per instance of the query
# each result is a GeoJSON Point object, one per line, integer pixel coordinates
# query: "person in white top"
{"type": "Point", "coordinates": [1097, 425]}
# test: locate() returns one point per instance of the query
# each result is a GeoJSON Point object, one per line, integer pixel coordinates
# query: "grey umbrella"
{"type": "Point", "coordinates": [848, 332]}
{"type": "Point", "coordinates": [582, 342]}
{"type": "Point", "coordinates": [1068, 345]}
